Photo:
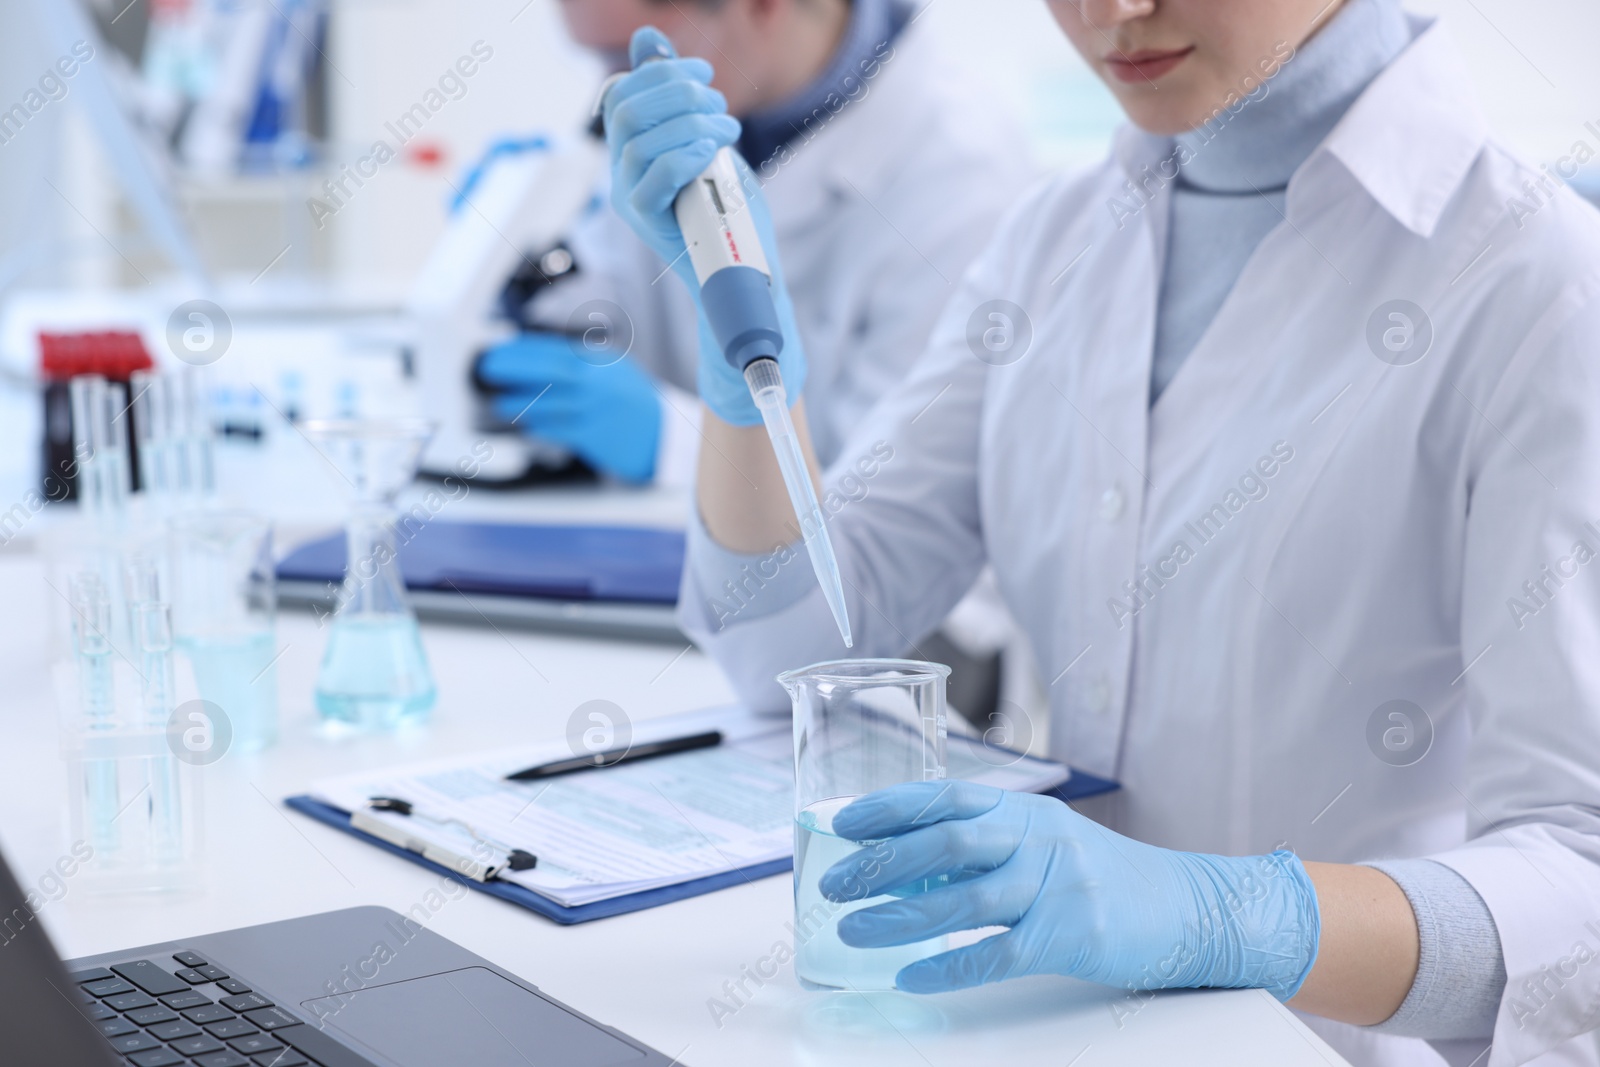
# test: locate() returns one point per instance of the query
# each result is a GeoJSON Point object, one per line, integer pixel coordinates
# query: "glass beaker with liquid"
{"type": "Point", "coordinates": [224, 612]}
{"type": "Point", "coordinates": [859, 726]}
{"type": "Point", "coordinates": [374, 671]}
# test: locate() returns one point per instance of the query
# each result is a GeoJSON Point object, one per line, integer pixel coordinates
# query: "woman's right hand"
{"type": "Point", "coordinates": [664, 124]}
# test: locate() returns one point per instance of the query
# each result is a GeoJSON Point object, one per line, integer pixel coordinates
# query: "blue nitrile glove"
{"type": "Point", "coordinates": [1080, 900]}
{"type": "Point", "coordinates": [607, 413]}
{"type": "Point", "coordinates": [664, 124]}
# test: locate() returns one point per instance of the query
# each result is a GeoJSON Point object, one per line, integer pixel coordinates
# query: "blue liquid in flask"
{"type": "Point", "coordinates": [374, 672]}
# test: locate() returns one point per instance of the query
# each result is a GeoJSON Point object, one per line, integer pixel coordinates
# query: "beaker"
{"type": "Point", "coordinates": [859, 726]}
{"type": "Point", "coordinates": [374, 672]}
{"type": "Point", "coordinates": [224, 608]}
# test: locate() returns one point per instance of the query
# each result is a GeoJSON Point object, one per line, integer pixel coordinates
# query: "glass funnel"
{"type": "Point", "coordinates": [374, 672]}
{"type": "Point", "coordinates": [859, 726]}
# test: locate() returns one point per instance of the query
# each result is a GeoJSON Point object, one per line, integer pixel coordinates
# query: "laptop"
{"type": "Point", "coordinates": [363, 987]}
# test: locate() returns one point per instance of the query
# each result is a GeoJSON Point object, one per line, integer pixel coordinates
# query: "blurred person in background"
{"type": "Point", "coordinates": [886, 166]}
{"type": "Point", "coordinates": [885, 161]}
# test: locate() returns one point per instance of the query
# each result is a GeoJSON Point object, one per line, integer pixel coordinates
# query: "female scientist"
{"type": "Point", "coordinates": [1281, 430]}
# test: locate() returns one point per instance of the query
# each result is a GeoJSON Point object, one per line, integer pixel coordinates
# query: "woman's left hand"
{"type": "Point", "coordinates": [1079, 899]}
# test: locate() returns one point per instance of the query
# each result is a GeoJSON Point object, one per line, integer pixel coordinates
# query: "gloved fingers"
{"type": "Point", "coordinates": [644, 111]}
{"type": "Point", "coordinates": [648, 43]}
{"type": "Point", "coordinates": [929, 851]}
{"type": "Point", "coordinates": [900, 808]}
{"type": "Point", "coordinates": [679, 132]}
{"type": "Point", "coordinates": [655, 191]}
{"type": "Point", "coordinates": [532, 360]}
{"type": "Point", "coordinates": [654, 74]}
{"type": "Point", "coordinates": [654, 61]}
{"type": "Point", "coordinates": [542, 410]}
{"type": "Point", "coordinates": [998, 898]}
{"type": "Point", "coordinates": [991, 960]}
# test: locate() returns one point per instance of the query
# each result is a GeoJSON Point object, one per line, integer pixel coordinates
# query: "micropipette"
{"type": "Point", "coordinates": [736, 292]}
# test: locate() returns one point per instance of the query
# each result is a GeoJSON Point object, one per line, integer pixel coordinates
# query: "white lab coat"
{"type": "Point", "coordinates": [1355, 532]}
{"type": "Point", "coordinates": [877, 215]}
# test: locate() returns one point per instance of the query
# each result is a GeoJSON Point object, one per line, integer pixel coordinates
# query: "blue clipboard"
{"type": "Point", "coordinates": [1079, 786]}
{"type": "Point", "coordinates": [583, 563]}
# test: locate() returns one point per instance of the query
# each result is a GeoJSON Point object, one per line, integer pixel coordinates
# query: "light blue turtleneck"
{"type": "Point", "coordinates": [1231, 190]}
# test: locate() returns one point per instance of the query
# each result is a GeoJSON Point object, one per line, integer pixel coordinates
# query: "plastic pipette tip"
{"type": "Point", "coordinates": [836, 605]}
{"type": "Point", "coordinates": [766, 388]}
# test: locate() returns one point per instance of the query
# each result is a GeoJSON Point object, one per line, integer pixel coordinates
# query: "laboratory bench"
{"type": "Point", "coordinates": [697, 979]}
{"type": "Point", "coordinates": [700, 980]}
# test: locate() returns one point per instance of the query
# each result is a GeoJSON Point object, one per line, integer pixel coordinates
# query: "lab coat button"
{"type": "Point", "coordinates": [1111, 502]}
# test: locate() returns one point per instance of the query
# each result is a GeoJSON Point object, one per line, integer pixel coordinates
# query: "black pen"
{"type": "Point", "coordinates": [615, 756]}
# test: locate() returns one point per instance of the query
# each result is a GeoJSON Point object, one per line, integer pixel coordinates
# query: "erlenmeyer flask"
{"type": "Point", "coordinates": [374, 672]}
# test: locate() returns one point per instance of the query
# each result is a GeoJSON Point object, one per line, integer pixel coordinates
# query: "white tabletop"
{"type": "Point", "coordinates": [654, 974]}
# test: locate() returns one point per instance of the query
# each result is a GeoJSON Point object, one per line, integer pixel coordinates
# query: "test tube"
{"type": "Point", "coordinates": [113, 445]}
{"type": "Point", "coordinates": [189, 414]}
{"type": "Point", "coordinates": [99, 429]}
{"type": "Point", "coordinates": [150, 623]}
{"type": "Point", "coordinates": [91, 645]}
{"type": "Point", "coordinates": [152, 421]}
{"type": "Point", "coordinates": [87, 394]}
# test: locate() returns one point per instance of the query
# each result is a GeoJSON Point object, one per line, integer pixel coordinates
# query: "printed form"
{"type": "Point", "coordinates": [611, 832]}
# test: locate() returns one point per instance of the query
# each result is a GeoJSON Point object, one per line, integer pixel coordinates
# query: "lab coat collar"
{"type": "Point", "coordinates": [1411, 138]}
{"type": "Point", "coordinates": [862, 147]}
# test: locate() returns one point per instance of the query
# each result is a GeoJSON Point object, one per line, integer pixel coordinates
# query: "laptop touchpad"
{"type": "Point", "coordinates": [468, 1016]}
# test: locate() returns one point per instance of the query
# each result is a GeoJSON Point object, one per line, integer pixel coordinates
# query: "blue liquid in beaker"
{"type": "Point", "coordinates": [238, 675]}
{"type": "Point", "coordinates": [820, 957]}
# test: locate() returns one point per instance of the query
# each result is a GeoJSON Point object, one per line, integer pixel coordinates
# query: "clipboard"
{"type": "Point", "coordinates": [1077, 787]}
{"type": "Point", "coordinates": [564, 563]}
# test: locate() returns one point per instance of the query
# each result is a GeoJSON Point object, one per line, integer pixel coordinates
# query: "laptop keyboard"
{"type": "Point", "coordinates": [188, 1011]}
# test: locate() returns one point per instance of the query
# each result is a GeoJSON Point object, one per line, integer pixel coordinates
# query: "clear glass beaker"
{"type": "Point", "coordinates": [374, 672]}
{"type": "Point", "coordinates": [224, 609]}
{"type": "Point", "coordinates": [859, 726]}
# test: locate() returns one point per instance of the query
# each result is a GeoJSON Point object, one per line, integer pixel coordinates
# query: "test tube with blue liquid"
{"type": "Point", "coordinates": [150, 623]}
{"type": "Point", "coordinates": [92, 651]}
